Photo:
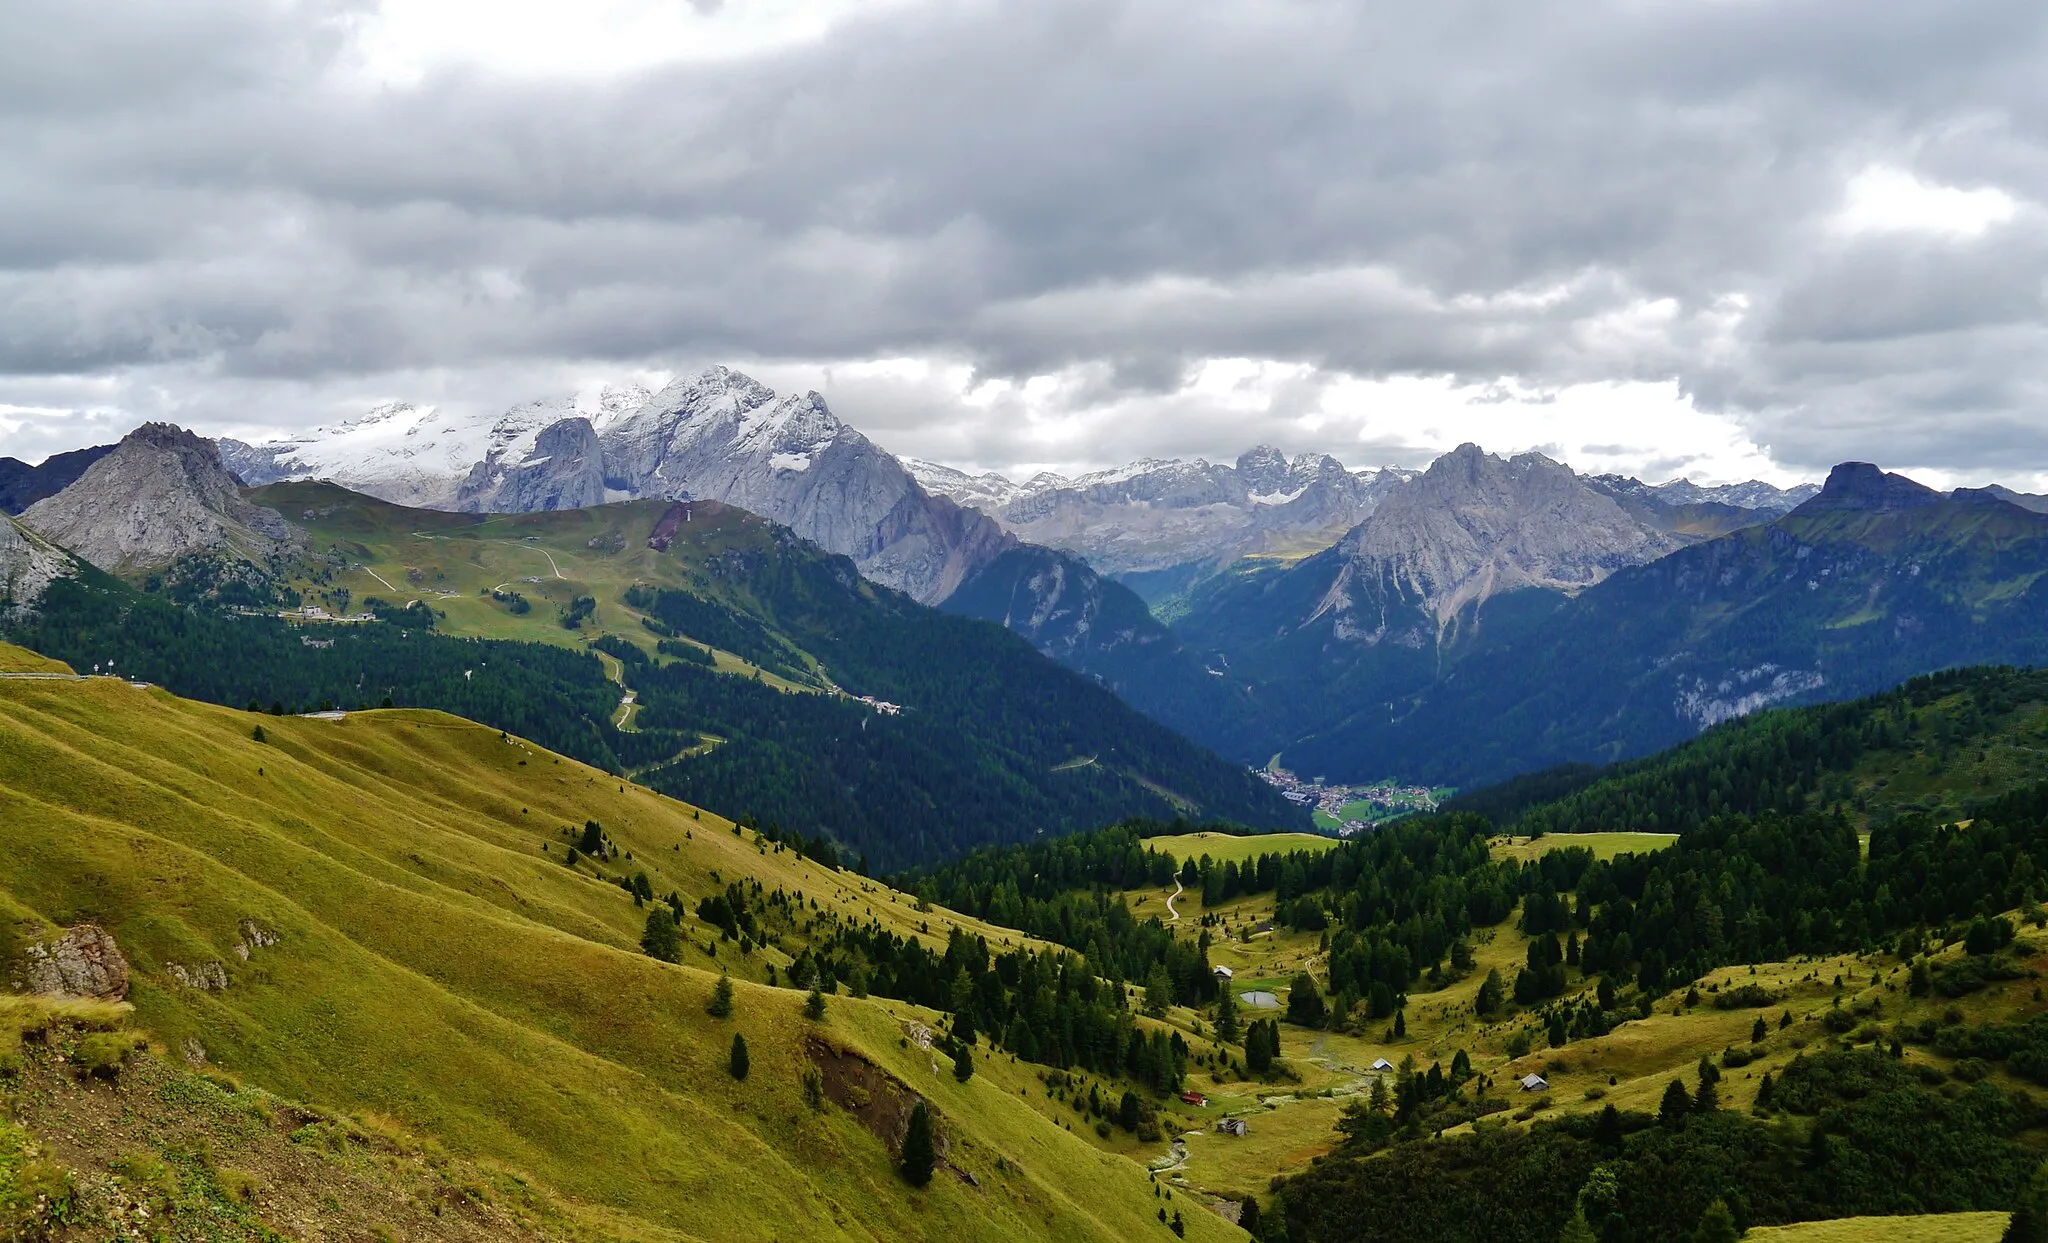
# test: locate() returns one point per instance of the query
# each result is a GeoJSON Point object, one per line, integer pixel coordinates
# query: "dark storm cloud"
{"type": "Point", "coordinates": [194, 195]}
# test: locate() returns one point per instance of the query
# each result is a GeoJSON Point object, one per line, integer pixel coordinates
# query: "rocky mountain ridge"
{"type": "Point", "coordinates": [1155, 514]}
{"type": "Point", "coordinates": [1871, 581]}
{"type": "Point", "coordinates": [1474, 526]}
{"type": "Point", "coordinates": [160, 496]}
{"type": "Point", "coordinates": [713, 435]}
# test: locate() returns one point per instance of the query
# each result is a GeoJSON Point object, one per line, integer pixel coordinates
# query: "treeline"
{"type": "Point", "coordinates": [901, 789]}
{"type": "Point", "coordinates": [1400, 904]}
{"type": "Point", "coordinates": [1788, 760]}
{"type": "Point", "coordinates": [1869, 1140]}
{"type": "Point", "coordinates": [1402, 901]}
{"type": "Point", "coordinates": [972, 763]}
{"type": "Point", "coordinates": [979, 681]}
{"type": "Point", "coordinates": [679, 613]}
{"type": "Point", "coordinates": [557, 698]}
{"type": "Point", "coordinates": [1055, 1010]}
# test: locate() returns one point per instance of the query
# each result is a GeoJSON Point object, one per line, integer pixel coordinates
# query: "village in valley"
{"type": "Point", "coordinates": [1348, 810]}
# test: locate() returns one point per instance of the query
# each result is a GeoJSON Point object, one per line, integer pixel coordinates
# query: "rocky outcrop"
{"type": "Point", "coordinates": [28, 565]}
{"type": "Point", "coordinates": [538, 460]}
{"type": "Point", "coordinates": [1862, 487]}
{"type": "Point", "coordinates": [1155, 514]}
{"type": "Point", "coordinates": [84, 962]}
{"type": "Point", "coordinates": [161, 495]}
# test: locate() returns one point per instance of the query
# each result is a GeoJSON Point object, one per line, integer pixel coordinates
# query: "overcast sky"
{"type": "Point", "coordinates": [1712, 238]}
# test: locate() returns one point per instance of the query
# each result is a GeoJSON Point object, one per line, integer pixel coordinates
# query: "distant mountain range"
{"type": "Point", "coordinates": [1337, 617]}
{"type": "Point", "coordinates": [1527, 641]}
{"type": "Point", "coordinates": [1154, 515]}
{"type": "Point", "coordinates": [757, 659]}
{"type": "Point", "coordinates": [720, 435]}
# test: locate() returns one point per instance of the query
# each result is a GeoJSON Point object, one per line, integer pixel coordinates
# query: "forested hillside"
{"type": "Point", "coordinates": [1617, 956]}
{"type": "Point", "coordinates": [713, 631]}
{"type": "Point", "coordinates": [1873, 582]}
{"type": "Point", "coordinates": [1938, 745]}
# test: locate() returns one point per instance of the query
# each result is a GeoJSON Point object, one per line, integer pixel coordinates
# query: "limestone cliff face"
{"type": "Point", "coordinates": [536, 462]}
{"type": "Point", "coordinates": [160, 495]}
{"type": "Point", "coordinates": [1474, 526]}
{"type": "Point", "coordinates": [28, 565]}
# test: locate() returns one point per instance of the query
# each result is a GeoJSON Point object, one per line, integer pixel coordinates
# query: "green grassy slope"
{"type": "Point", "coordinates": [433, 963]}
{"type": "Point", "coordinates": [975, 755]}
{"type": "Point", "coordinates": [363, 547]}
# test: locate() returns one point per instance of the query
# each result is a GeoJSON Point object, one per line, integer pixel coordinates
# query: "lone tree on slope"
{"type": "Point", "coordinates": [662, 940]}
{"type": "Point", "coordinates": [919, 1158]}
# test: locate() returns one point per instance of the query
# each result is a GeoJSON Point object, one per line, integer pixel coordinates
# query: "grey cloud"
{"type": "Point", "coordinates": [1556, 192]}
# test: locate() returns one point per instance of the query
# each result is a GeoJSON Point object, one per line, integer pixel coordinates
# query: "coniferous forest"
{"type": "Point", "coordinates": [979, 754]}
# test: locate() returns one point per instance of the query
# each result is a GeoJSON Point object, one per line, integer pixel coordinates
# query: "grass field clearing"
{"type": "Point", "coordinates": [1935, 1228]}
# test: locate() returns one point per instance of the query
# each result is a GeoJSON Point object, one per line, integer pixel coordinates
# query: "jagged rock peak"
{"type": "Point", "coordinates": [1263, 469]}
{"type": "Point", "coordinates": [161, 494]}
{"type": "Point", "coordinates": [1862, 486]}
{"type": "Point", "coordinates": [1475, 525]}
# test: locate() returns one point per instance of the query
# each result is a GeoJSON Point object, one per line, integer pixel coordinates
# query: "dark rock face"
{"type": "Point", "coordinates": [561, 466]}
{"type": "Point", "coordinates": [162, 494]}
{"type": "Point", "coordinates": [22, 485]}
{"type": "Point", "coordinates": [1862, 486]}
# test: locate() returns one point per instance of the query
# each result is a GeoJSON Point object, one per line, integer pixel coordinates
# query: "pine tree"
{"type": "Point", "coordinates": [2029, 1222]}
{"type": "Point", "coordinates": [814, 1005]}
{"type": "Point", "coordinates": [1709, 1098]}
{"type": "Point", "coordinates": [919, 1158]}
{"type": "Point", "coordinates": [1607, 1131]}
{"type": "Point", "coordinates": [1763, 1092]}
{"type": "Point", "coordinates": [1400, 1025]}
{"type": "Point", "coordinates": [1226, 1016]}
{"type": "Point", "coordinates": [662, 940]}
{"type": "Point", "coordinates": [1158, 991]}
{"type": "Point", "coordinates": [1717, 1225]}
{"type": "Point", "coordinates": [1760, 1031]}
{"type": "Point", "coordinates": [963, 1063]}
{"type": "Point", "coordinates": [720, 1005]}
{"type": "Point", "coordinates": [1577, 1231]}
{"type": "Point", "coordinates": [1491, 993]}
{"type": "Point", "coordinates": [738, 1064]}
{"type": "Point", "coordinates": [1248, 1216]}
{"type": "Point", "coordinates": [1676, 1104]}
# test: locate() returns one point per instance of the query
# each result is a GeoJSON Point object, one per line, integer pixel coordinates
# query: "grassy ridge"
{"type": "Point", "coordinates": [20, 660]}
{"type": "Point", "coordinates": [435, 964]}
